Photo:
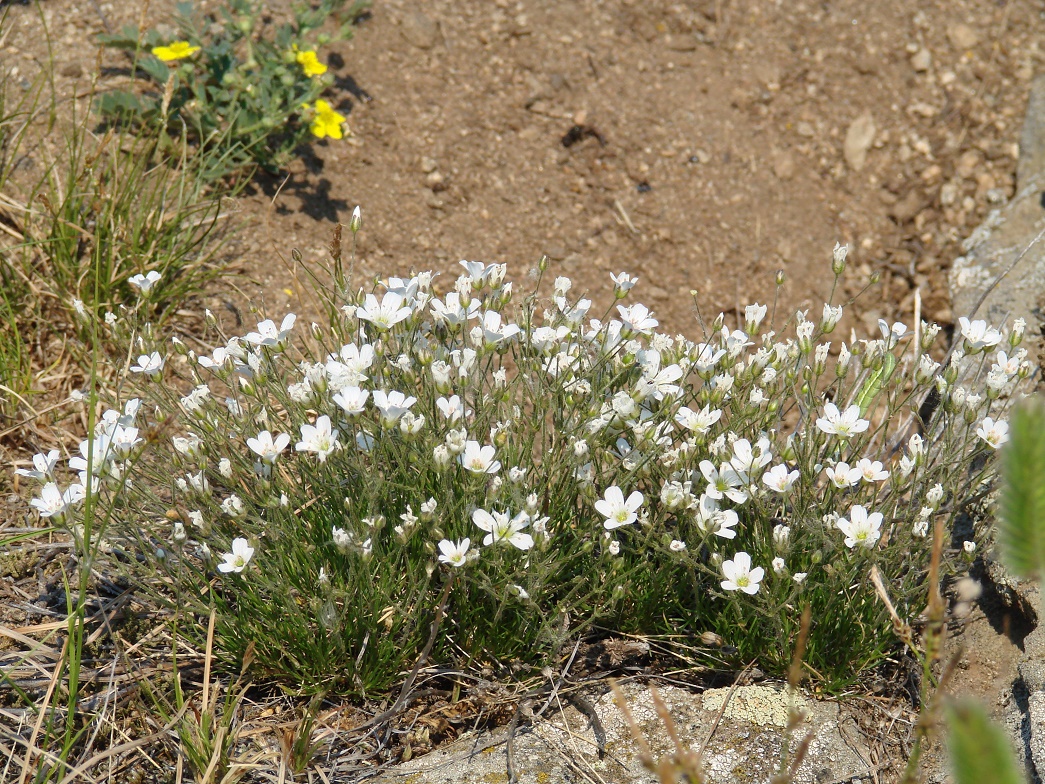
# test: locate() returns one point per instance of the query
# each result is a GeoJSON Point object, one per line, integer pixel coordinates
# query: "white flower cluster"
{"type": "Point", "coordinates": [547, 426]}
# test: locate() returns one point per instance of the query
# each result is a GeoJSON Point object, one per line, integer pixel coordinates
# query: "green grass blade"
{"type": "Point", "coordinates": [1021, 525]}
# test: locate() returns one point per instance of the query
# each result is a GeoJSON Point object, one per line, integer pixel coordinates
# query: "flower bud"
{"type": "Point", "coordinates": [838, 258]}
{"type": "Point", "coordinates": [1018, 328]}
{"type": "Point", "coordinates": [355, 223]}
{"type": "Point", "coordinates": [780, 277]}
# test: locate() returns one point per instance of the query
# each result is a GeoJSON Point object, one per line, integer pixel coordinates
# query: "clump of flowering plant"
{"type": "Point", "coordinates": [562, 469]}
{"type": "Point", "coordinates": [237, 87]}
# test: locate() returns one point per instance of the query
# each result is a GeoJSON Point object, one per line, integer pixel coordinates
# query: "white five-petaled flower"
{"type": "Point", "coordinates": [494, 331]}
{"type": "Point", "coordinates": [842, 475]}
{"type": "Point", "coordinates": [978, 335]}
{"type": "Point", "coordinates": [871, 470]}
{"type": "Point", "coordinates": [623, 282]}
{"type": "Point", "coordinates": [725, 481]}
{"type": "Point", "coordinates": [386, 313]}
{"type": "Point", "coordinates": [351, 400]}
{"type": "Point", "coordinates": [43, 465]}
{"type": "Point", "coordinates": [637, 318]}
{"type": "Point", "coordinates": [781, 480]}
{"type": "Point", "coordinates": [452, 312]}
{"type": "Point", "coordinates": [392, 405]}
{"type": "Point", "coordinates": [698, 422]}
{"type": "Point", "coordinates": [842, 424]}
{"type": "Point", "coordinates": [745, 462]}
{"type": "Point", "coordinates": [54, 503]}
{"type": "Point", "coordinates": [149, 364]}
{"type": "Point", "coordinates": [479, 459]}
{"type": "Point", "coordinates": [452, 408]}
{"type": "Point", "coordinates": [269, 335]}
{"type": "Point", "coordinates": [144, 282]}
{"type": "Point", "coordinates": [477, 272]}
{"type": "Point", "coordinates": [319, 438]}
{"type": "Point", "coordinates": [861, 529]}
{"type": "Point", "coordinates": [994, 433]}
{"type": "Point", "coordinates": [237, 560]}
{"type": "Point", "coordinates": [740, 576]}
{"type": "Point", "coordinates": [454, 553]}
{"type": "Point", "coordinates": [500, 527]}
{"type": "Point", "coordinates": [616, 510]}
{"type": "Point", "coordinates": [267, 447]}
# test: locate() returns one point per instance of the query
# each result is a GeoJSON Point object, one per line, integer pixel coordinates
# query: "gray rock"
{"type": "Point", "coordinates": [745, 746]}
{"type": "Point", "coordinates": [1001, 250]}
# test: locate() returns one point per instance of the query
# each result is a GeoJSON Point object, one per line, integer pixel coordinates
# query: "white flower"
{"type": "Point", "coordinates": [479, 460]}
{"type": "Point", "coordinates": [753, 315]}
{"type": "Point", "coordinates": [781, 536]}
{"type": "Point", "coordinates": [677, 546]}
{"type": "Point", "coordinates": [494, 332]}
{"type": "Point", "coordinates": [392, 405]}
{"type": "Point", "coordinates": [799, 577]}
{"type": "Point", "coordinates": [502, 528]}
{"type": "Point", "coordinates": [616, 510]}
{"type": "Point", "coordinates": [623, 282]}
{"type": "Point", "coordinates": [871, 471]}
{"type": "Point", "coordinates": [744, 460]}
{"type": "Point", "coordinates": [920, 528]}
{"type": "Point", "coordinates": [319, 438]}
{"type": "Point", "coordinates": [150, 364]}
{"type": "Point", "coordinates": [830, 318]}
{"type": "Point", "coordinates": [969, 547]}
{"type": "Point", "coordinates": [705, 356]}
{"type": "Point", "coordinates": [740, 576]}
{"type": "Point", "coordinates": [698, 422]}
{"type": "Point", "coordinates": [233, 506]}
{"type": "Point", "coordinates": [386, 313]}
{"type": "Point", "coordinates": [978, 335]}
{"type": "Point", "coordinates": [453, 313]}
{"type": "Point", "coordinates": [861, 529]}
{"type": "Point", "coordinates": [725, 481]}
{"type": "Point", "coordinates": [410, 424]}
{"type": "Point", "coordinates": [451, 408]}
{"type": "Point", "coordinates": [778, 566]}
{"type": "Point", "coordinates": [144, 282]}
{"type": "Point", "coordinates": [454, 553]}
{"type": "Point", "coordinates": [614, 547]}
{"type": "Point", "coordinates": [351, 400]}
{"type": "Point", "coordinates": [238, 559]}
{"type": "Point", "coordinates": [43, 465]}
{"type": "Point", "coordinates": [637, 318]}
{"type": "Point", "coordinates": [842, 476]}
{"type": "Point", "coordinates": [268, 335]}
{"type": "Point", "coordinates": [54, 503]}
{"type": "Point", "coordinates": [994, 433]}
{"type": "Point", "coordinates": [778, 478]}
{"type": "Point", "coordinates": [267, 447]}
{"type": "Point", "coordinates": [841, 424]}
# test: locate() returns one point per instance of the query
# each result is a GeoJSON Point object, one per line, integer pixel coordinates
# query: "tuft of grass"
{"type": "Point", "coordinates": [89, 214]}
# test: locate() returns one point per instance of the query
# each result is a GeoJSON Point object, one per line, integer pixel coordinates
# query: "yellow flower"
{"type": "Point", "coordinates": [310, 63]}
{"type": "Point", "coordinates": [176, 51]}
{"type": "Point", "coordinates": [327, 122]}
